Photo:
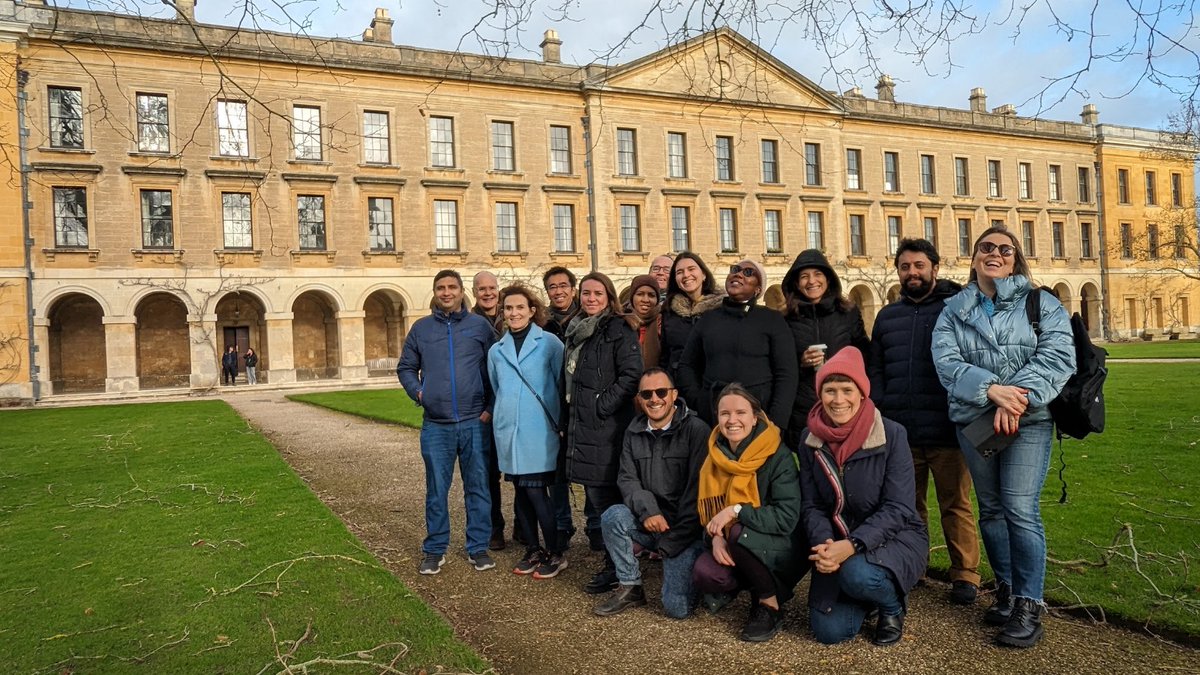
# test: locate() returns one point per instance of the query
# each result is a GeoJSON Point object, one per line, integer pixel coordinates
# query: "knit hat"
{"type": "Point", "coordinates": [849, 362]}
{"type": "Point", "coordinates": [762, 273]}
{"type": "Point", "coordinates": [642, 280]}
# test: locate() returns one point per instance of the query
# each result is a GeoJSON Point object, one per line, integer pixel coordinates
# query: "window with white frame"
{"type": "Point", "coordinates": [858, 242]}
{"type": "Point", "coordinates": [680, 228]}
{"type": "Point", "coordinates": [631, 228]}
{"type": "Point", "coordinates": [1085, 241]}
{"type": "Point", "coordinates": [676, 155]}
{"type": "Point", "coordinates": [376, 138]}
{"type": "Point", "coordinates": [894, 230]}
{"type": "Point", "coordinates": [506, 227]}
{"type": "Point", "coordinates": [931, 230]}
{"type": "Point", "coordinates": [891, 172]}
{"type": "Point", "coordinates": [560, 149]}
{"type": "Point", "coordinates": [66, 117]}
{"type": "Point", "coordinates": [445, 224]}
{"type": "Point", "coordinates": [812, 164]}
{"type": "Point", "coordinates": [503, 155]}
{"type": "Point", "coordinates": [1055, 182]}
{"type": "Point", "coordinates": [306, 132]}
{"type": "Point", "coordinates": [1057, 241]}
{"type": "Point", "coordinates": [770, 161]}
{"type": "Point", "coordinates": [993, 172]}
{"type": "Point", "coordinates": [1123, 186]}
{"type": "Point", "coordinates": [153, 123]}
{"type": "Point", "coordinates": [928, 176]}
{"type": "Point", "coordinates": [724, 153]}
{"type": "Point", "coordinates": [1027, 236]}
{"type": "Point", "coordinates": [626, 152]}
{"type": "Point", "coordinates": [158, 229]}
{"type": "Point", "coordinates": [853, 169]}
{"type": "Point", "coordinates": [816, 230]}
{"type": "Point", "coordinates": [962, 176]}
{"type": "Point", "coordinates": [1085, 184]}
{"type": "Point", "coordinates": [1024, 180]}
{"type": "Point", "coordinates": [1151, 189]}
{"type": "Point", "coordinates": [564, 228]}
{"type": "Point", "coordinates": [1176, 189]}
{"type": "Point", "coordinates": [233, 131]}
{"type": "Point", "coordinates": [964, 237]}
{"type": "Point", "coordinates": [236, 220]}
{"type": "Point", "coordinates": [727, 230]}
{"type": "Point", "coordinates": [773, 230]}
{"type": "Point", "coordinates": [381, 227]}
{"type": "Point", "coordinates": [441, 142]}
{"type": "Point", "coordinates": [70, 217]}
{"type": "Point", "coordinates": [310, 216]}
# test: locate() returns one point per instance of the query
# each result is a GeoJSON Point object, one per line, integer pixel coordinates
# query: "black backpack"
{"type": "Point", "coordinates": [1078, 410]}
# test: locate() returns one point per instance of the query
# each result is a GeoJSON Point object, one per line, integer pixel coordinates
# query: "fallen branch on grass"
{"type": "Point", "coordinates": [152, 652]}
{"type": "Point", "coordinates": [287, 565]}
{"type": "Point", "coordinates": [364, 657]}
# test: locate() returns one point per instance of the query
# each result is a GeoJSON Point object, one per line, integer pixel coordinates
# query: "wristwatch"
{"type": "Point", "coordinates": [859, 547]}
{"type": "Point", "coordinates": [737, 510]}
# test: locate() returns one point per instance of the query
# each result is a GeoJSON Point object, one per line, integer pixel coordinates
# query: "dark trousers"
{"type": "Point", "coordinates": [748, 572]}
{"type": "Point", "coordinates": [533, 509]}
{"type": "Point", "coordinates": [494, 483]}
{"type": "Point", "coordinates": [597, 499]}
{"type": "Point", "coordinates": [228, 375]}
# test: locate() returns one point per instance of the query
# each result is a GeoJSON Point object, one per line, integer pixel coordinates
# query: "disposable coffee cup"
{"type": "Point", "coordinates": [823, 347]}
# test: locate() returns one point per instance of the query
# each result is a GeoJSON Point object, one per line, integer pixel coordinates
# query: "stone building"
{"type": "Point", "coordinates": [188, 187]}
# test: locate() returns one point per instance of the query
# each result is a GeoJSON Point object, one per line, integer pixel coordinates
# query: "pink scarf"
{"type": "Point", "coordinates": [844, 440]}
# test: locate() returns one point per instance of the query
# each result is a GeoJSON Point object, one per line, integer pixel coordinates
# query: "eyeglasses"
{"type": "Point", "coordinates": [648, 394]}
{"type": "Point", "coordinates": [558, 287]}
{"type": "Point", "coordinates": [660, 268]}
{"type": "Point", "coordinates": [1006, 250]}
{"type": "Point", "coordinates": [744, 271]}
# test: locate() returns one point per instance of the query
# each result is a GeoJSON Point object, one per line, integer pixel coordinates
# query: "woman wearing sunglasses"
{"type": "Point", "coordinates": [741, 342]}
{"type": "Point", "coordinates": [992, 363]}
{"type": "Point", "coordinates": [822, 321]}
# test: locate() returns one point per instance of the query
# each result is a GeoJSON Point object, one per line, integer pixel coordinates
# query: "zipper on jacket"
{"type": "Point", "coordinates": [453, 374]}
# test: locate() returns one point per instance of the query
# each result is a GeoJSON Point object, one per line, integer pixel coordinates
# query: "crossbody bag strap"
{"type": "Point", "coordinates": [541, 402]}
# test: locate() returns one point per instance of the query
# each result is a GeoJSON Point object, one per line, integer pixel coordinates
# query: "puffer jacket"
{"type": "Point", "coordinates": [823, 322]}
{"type": "Point", "coordinates": [660, 475]}
{"type": "Point", "coordinates": [972, 352]}
{"type": "Point", "coordinates": [877, 491]}
{"type": "Point", "coordinates": [904, 383]}
{"type": "Point", "coordinates": [443, 366]}
{"type": "Point", "coordinates": [678, 317]}
{"type": "Point", "coordinates": [602, 388]}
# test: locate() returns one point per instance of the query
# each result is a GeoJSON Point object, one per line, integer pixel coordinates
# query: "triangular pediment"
{"type": "Point", "coordinates": [720, 64]}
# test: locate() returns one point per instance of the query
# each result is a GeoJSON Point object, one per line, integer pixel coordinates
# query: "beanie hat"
{"type": "Point", "coordinates": [762, 274]}
{"type": "Point", "coordinates": [643, 280]}
{"type": "Point", "coordinates": [849, 362]}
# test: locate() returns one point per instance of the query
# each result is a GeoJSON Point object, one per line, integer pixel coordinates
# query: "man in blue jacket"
{"type": "Point", "coordinates": [444, 369]}
{"type": "Point", "coordinates": [906, 389]}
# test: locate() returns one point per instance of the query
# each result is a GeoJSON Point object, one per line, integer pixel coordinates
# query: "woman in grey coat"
{"type": "Point", "coordinates": [993, 364]}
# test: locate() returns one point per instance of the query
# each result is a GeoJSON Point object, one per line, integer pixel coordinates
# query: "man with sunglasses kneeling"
{"type": "Point", "coordinates": [661, 456]}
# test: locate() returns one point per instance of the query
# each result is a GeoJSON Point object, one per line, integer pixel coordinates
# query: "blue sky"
{"type": "Point", "coordinates": [1012, 68]}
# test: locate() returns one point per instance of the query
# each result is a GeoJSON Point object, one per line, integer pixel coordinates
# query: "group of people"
{"type": "Point", "coordinates": [229, 365]}
{"type": "Point", "coordinates": [745, 448]}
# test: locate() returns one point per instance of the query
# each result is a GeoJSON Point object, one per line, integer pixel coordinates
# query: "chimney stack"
{"type": "Point", "coordinates": [1008, 110]}
{"type": "Point", "coordinates": [381, 28]}
{"type": "Point", "coordinates": [978, 100]}
{"type": "Point", "coordinates": [886, 89]}
{"type": "Point", "coordinates": [853, 92]}
{"type": "Point", "coordinates": [185, 10]}
{"type": "Point", "coordinates": [551, 47]}
{"type": "Point", "coordinates": [1090, 114]}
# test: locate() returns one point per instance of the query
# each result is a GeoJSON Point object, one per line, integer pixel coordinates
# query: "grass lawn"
{"type": "Point", "coordinates": [171, 538]}
{"type": "Point", "coordinates": [1164, 349]}
{"type": "Point", "coordinates": [1128, 538]}
{"type": "Point", "coordinates": [383, 405]}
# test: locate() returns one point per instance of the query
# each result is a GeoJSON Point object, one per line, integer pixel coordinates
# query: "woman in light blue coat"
{"type": "Point", "coordinates": [525, 371]}
{"type": "Point", "coordinates": [992, 363]}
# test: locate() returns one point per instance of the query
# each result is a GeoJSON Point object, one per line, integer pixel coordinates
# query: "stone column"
{"type": "Point", "coordinates": [206, 357]}
{"type": "Point", "coordinates": [41, 357]}
{"type": "Point", "coordinates": [282, 366]}
{"type": "Point", "coordinates": [120, 348]}
{"type": "Point", "coordinates": [353, 345]}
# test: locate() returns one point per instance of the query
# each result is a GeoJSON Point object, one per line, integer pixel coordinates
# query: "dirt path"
{"type": "Point", "coordinates": [371, 476]}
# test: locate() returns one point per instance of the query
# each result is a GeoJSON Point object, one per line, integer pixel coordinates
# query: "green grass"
{"type": "Point", "coordinates": [1165, 349]}
{"type": "Point", "coordinates": [156, 539]}
{"type": "Point", "coordinates": [382, 405]}
{"type": "Point", "coordinates": [1144, 472]}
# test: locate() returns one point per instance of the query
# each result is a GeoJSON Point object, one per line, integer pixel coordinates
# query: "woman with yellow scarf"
{"type": "Point", "coordinates": [749, 500]}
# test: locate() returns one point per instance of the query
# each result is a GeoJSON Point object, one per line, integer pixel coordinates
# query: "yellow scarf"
{"type": "Point", "coordinates": [725, 481]}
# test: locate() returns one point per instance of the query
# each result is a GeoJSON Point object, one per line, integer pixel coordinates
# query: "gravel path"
{"type": "Point", "coordinates": [371, 475]}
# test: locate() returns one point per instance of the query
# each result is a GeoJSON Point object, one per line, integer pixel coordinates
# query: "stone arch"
{"type": "Point", "coordinates": [241, 322]}
{"type": "Point", "coordinates": [862, 296]}
{"type": "Point", "coordinates": [331, 296]}
{"type": "Point", "coordinates": [1089, 308]}
{"type": "Point", "coordinates": [78, 358]}
{"type": "Point", "coordinates": [147, 290]}
{"type": "Point", "coordinates": [164, 350]}
{"type": "Point", "coordinates": [893, 293]}
{"type": "Point", "coordinates": [396, 291]}
{"type": "Point", "coordinates": [775, 299]}
{"type": "Point", "coordinates": [53, 297]}
{"type": "Point", "coordinates": [315, 335]}
{"type": "Point", "coordinates": [1062, 291]}
{"type": "Point", "coordinates": [264, 300]}
{"type": "Point", "coordinates": [384, 329]}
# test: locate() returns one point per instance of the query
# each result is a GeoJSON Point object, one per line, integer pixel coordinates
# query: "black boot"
{"type": "Point", "coordinates": [604, 581]}
{"type": "Point", "coordinates": [623, 599]}
{"type": "Point", "coordinates": [1024, 627]}
{"type": "Point", "coordinates": [1002, 606]}
{"type": "Point", "coordinates": [888, 629]}
{"type": "Point", "coordinates": [764, 623]}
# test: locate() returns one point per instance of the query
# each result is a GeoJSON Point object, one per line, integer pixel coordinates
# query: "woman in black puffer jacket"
{"type": "Point", "coordinates": [691, 291]}
{"type": "Point", "coordinates": [818, 314]}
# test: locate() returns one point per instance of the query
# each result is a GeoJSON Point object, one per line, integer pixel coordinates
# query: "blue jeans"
{"type": "Point", "coordinates": [621, 530]}
{"type": "Point", "coordinates": [864, 585]}
{"type": "Point", "coordinates": [440, 445]}
{"type": "Point", "coordinates": [1008, 486]}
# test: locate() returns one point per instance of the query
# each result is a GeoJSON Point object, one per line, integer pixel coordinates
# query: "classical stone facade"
{"type": "Point", "coordinates": [191, 187]}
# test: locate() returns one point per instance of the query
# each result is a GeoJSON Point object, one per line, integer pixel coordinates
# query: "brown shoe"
{"type": "Point", "coordinates": [496, 543]}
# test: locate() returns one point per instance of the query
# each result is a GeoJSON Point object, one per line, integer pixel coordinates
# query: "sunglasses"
{"type": "Point", "coordinates": [744, 271]}
{"type": "Point", "coordinates": [1006, 250]}
{"type": "Point", "coordinates": [648, 394]}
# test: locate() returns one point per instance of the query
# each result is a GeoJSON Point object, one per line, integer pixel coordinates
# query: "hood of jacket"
{"type": "Point", "coordinates": [812, 258]}
{"type": "Point", "coordinates": [682, 305]}
{"type": "Point", "coordinates": [640, 421]}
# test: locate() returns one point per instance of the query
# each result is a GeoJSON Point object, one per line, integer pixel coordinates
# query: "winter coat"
{"type": "Point", "coordinates": [606, 377]}
{"type": "Point", "coordinates": [443, 366]}
{"type": "Point", "coordinates": [229, 360]}
{"type": "Point", "coordinates": [972, 352]}
{"type": "Point", "coordinates": [771, 530]}
{"type": "Point", "coordinates": [660, 472]}
{"type": "Point", "coordinates": [904, 383]}
{"type": "Point", "coordinates": [526, 438]}
{"type": "Point", "coordinates": [496, 322]}
{"type": "Point", "coordinates": [251, 360]}
{"type": "Point", "coordinates": [678, 317]}
{"type": "Point", "coordinates": [878, 495]}
{"type": "Point", "coordinates": [740, 343]}
{"type": "Point", "coordinates": [824, 322]}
